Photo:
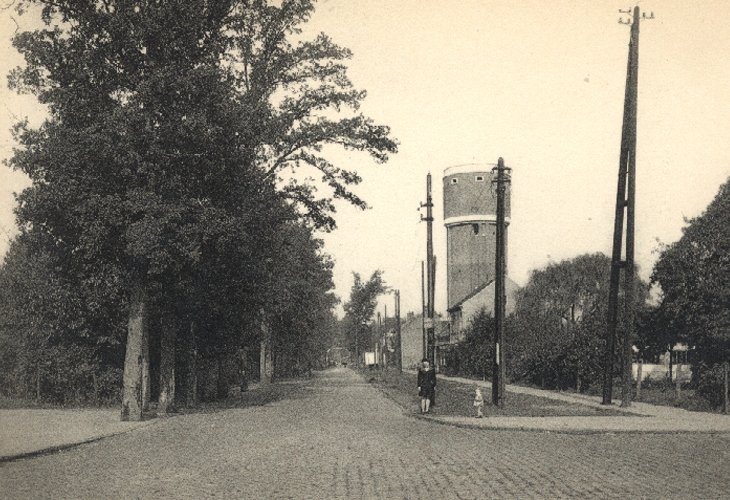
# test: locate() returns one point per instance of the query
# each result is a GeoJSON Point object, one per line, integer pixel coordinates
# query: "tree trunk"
{"type": "Point", "coordinates": [639, 375]}
{"type": "Point", "coordinates": [37, 383]}
{"type": "Point", "coordinates": [146, 382]}
{"type": "Point", "coordinates": [167, 366]}
{"type": "Point", "coordinates": [266, 360]}
{"type": "Point", "coordinates": [220, 381]}
{"type": "Point", "coordinates": [243, 369]}
{"type": "Point", "coordinates": [725, 402]}
{"type": "Point", "coordinates": [192, 374]}
{"type": "Point", "coordinates": [133, 383]}
{"type": "Point", "coordinates": [95, 381]}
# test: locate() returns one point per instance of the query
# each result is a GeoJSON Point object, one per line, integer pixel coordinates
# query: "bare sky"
{"type": "Point", "coordinates": [538, 83]}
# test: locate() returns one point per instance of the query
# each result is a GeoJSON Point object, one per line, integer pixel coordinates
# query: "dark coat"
{"type": "Point", "coordinates": [427, 383]}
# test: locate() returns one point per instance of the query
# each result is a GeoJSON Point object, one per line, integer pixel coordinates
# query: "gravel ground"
{"type": "Point", "coordinates": [337, 437]}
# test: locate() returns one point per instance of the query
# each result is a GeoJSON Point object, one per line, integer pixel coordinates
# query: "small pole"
{"type": "Point", "coordinates": [726, 403]}
{"type": "Point", "coordinates": [398, 359]}
{"type": "Point", "coordinates": [378, 333]}
{"type": "Point", "coordinates": [384, 336]}
{"type": "Point", "coordinates": [639, 376]}
{"type": "Point", "coordinates": [678, 381]}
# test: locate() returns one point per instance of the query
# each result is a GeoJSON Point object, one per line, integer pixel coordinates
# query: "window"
{"type": "Point", "coordinates": [454, 180]}
{"type": "Point", "coordinates": [479, 178]}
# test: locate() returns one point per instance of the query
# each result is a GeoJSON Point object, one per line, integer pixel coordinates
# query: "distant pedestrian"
{"type": "Point", "coordinates": [478, 401]}
{"type": "Point", "coordinates": [426, 385]}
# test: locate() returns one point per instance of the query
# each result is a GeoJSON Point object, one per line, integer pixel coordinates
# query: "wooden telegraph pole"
{"type": "Point", "coordinates": [423, 313]}
{"type": "Point", "coordinates": [397, 353]}
{"type": "Point", "coordinates": [499, 372]}
{"type": "Point", "coordinates": [625, 203]}
{"type": "Point", "coordinates": [430, 278]}
{"type": "Point", "coordinates": [384, 336]}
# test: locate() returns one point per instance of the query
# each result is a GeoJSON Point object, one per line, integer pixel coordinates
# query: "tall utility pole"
{"type": "Point", "coordinates": [384, 335]}
{"type": "Point", "coordinates": [430, 278]}
{"type": "Point", "coordinates": [378, 333]}
{"type": "Point", "coordinates": [397, 353]}
{"type": "Point", "coordinates": [499, 372]}
{"type": "Point", "coordinates": [625, 203]}
{"type": "Point", "coordinates": [423, 311]}
{"type": "Point", "coordinates": [357, 347]}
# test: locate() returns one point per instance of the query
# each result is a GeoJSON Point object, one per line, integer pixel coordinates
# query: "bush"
{"type": "Point", "coordinates": [473, 356]}
{"type": "Point", "coordinates": [711, 383]}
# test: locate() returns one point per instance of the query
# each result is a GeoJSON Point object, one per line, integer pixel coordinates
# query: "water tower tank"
{"type": "Point", "coordinates": [470, 216]}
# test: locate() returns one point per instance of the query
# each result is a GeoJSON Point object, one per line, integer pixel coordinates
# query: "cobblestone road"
{"type": "Point", "coordinates": [340, 438]}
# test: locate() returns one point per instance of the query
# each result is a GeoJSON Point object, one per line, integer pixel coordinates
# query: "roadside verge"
{"type": "Point", "coordinates": [31, 432]}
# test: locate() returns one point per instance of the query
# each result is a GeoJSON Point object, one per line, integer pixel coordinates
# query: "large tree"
{"type": "Point", "coordinates": [559, 323]}
{"type": "Point", "coordinates": [170, 127]}
{"type": "Point", "coordinates": [694, 276]}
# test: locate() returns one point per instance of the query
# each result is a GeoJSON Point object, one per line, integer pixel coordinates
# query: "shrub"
{"type": "Point", "coordinates": [711, 383]}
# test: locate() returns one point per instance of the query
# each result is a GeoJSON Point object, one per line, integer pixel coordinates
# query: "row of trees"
{"type": "Point", "coordinates": [557, 332]}
{"type": "Point", "coordinates": [172, 182]}
{"type": "Point", "coordinates": [357, 328]}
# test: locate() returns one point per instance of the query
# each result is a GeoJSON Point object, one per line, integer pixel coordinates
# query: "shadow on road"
{"type": "Point", "coordinates": [257, 395]}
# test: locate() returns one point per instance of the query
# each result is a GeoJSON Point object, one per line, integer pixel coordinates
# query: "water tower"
{"type": "Point", "coordinates": [470, 216]}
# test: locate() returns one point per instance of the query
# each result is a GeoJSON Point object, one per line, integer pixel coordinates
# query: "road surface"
{"type": "Point", "coordinates": [335, 436]}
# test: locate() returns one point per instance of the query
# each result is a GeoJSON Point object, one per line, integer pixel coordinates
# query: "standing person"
{"type": "Point", "coordinates": [426, 385]}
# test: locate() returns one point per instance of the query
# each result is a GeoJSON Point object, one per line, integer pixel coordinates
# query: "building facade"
{"type": "Point", "coordinates": [412, 338]}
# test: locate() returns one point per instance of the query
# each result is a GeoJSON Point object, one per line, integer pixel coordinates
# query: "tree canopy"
{"type": "Point", "coordinates": [694, 276]}
{"type": "Point", "coordinates": [177, 157]}
{"type": "Point", "coordinates": [359, 310]}
{"type": "Point", "coordinates": [559, 330]}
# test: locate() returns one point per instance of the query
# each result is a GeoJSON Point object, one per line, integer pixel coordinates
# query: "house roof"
{"type": "Point", "coordinates": [478, 289]}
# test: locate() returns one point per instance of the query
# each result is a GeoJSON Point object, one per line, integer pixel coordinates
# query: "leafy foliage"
{"type": "Point", "coordinates": [558, 334]}
{"type": "Point", "coordinates": [177, 155]}
{"type": "Point", "coordinates": [296, 93]}
{"type": "Point", "coordinates": [474, 356]}
{"type": "Point", "coordinates": [360, 308]}
{"type": "Point", "coordinates": [58, 342]}
{"type": "Point", "coordinates": [301, 305]}
{"type": "Point", "coordinates": [694, 274]}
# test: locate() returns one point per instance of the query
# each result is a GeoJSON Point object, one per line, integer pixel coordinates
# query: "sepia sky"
{"type": "Point", "coordinates": [540, 84]}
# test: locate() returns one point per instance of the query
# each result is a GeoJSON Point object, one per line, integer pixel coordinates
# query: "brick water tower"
{"type": "Point", "coordinates": [470, 216]}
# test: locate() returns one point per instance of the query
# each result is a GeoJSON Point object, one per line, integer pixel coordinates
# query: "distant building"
{"type": "Point", "coordinates": [412, 337]}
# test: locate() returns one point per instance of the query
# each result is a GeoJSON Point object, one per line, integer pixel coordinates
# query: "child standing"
{"type": "Point", "coordinates": [478, 401]}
